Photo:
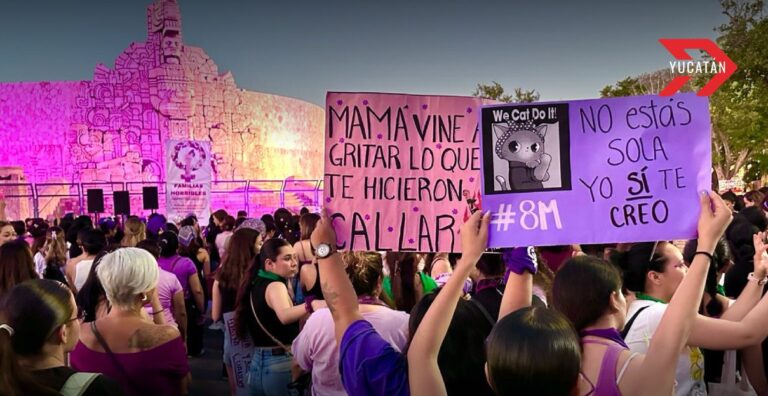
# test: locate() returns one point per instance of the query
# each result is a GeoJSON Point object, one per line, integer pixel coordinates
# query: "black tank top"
{"type": "Point", "coordinates": [268, 318]}
{"type": "Point", "coordinates": [316, 291]}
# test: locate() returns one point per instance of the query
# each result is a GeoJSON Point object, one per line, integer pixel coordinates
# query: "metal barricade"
{"type": "Point", "coordinates": [256, 197]}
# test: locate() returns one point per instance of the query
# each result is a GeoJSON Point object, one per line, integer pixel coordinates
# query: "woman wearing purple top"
{"type": "Point", "coordinates": [609, 367]}
{"type": "Point", "coordinates": [144, 358]}
{"type": "Point", "coordinates": [185, 270]}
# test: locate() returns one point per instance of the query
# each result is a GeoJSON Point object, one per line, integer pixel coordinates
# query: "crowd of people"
{"type": "Point", "coordinates": [120, 307]}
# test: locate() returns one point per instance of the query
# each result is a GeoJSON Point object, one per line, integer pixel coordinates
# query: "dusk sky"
{"type": "Point", "coordinates": [565, 49]}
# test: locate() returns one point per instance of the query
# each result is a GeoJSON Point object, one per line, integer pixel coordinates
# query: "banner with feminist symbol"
{"type": "Point", "coordinates": [188, 179]}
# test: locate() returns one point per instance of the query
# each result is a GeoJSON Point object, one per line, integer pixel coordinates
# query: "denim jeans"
{"type": "Point", "coordinates": [269, 375]}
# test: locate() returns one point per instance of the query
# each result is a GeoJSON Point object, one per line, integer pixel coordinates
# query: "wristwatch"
{"type": "Point", "coordinates": [323, 251]}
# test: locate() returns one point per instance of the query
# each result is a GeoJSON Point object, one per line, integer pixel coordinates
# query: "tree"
{"type": "Point", "coordinates": [739, 108]}
{"type": "Point", "coordinates": [644, 84]}
{"type": "Point", "coordinates": [496, 92]}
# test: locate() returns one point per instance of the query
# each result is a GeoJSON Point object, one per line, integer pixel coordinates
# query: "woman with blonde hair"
{"type": "Point", "coordinates": [314, 349]}
{"type": "Point", "coordinates": [54, 256]}
{"type": "Point", "coordinates": [135, 231]}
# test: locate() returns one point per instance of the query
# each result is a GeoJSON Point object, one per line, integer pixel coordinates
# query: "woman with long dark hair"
{"type": "Point", "coordinates": [244, 246]}
{"type": "Point", "coordinates": [405, 285]}
{"type": "Point", "coordinates": [38, 326]}
{"type": "Point", "coordinates": [16, 265]}
{"type": "Point", "coordinates": [266, 312]}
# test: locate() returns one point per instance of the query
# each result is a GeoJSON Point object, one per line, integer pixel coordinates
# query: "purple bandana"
{"type": "Point", "coordinates": [520, 259]}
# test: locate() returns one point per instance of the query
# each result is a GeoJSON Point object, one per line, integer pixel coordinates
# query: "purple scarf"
{"type": "Point", "coordinates": [608, 334]}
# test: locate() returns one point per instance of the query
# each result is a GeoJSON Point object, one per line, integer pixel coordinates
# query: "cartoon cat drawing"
{"type": "Point", "coordinates": [522, 146]}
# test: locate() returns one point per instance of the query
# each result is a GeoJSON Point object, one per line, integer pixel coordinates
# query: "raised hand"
{"type": "Point", "coordinates": [474, 236]}
{"type": "Point", "coordinates": [520, 259]}
{"type": "Point", "coordinates": [761, 257]}
{"type": "Point", "coordinates": [323, 232]}
{"type": "Point", "coordinates": [713, 220]}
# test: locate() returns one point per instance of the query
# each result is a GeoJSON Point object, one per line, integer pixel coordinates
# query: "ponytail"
{"type": "Point", "coordinates": [403, 285]}
{"type": "Point", "coordinates": [28, 314]}
{"type": "Point", "coordinates": [635, 264]}
{"type": "Point", "coordinates": [11, 375]}
{"type": "Point", "coordinates": [243, 306]}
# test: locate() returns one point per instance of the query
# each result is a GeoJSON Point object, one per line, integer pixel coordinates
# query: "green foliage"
{"type": "Point", "coordinates": [629, 86]}
{"type": "Point", "coordinates": [739, 108]}
{"type": "Point", "coordinates": [495, 91]}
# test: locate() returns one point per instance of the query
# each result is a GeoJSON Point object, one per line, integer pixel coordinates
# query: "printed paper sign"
{"type": "Point", "coordinates": [240, 353]}
{"type": "Point", "coordinates": [188, 178]}
{"type": "Point", "coordinates": [595, 171]}
{"type": "Point", "coordinates": [400, 169]}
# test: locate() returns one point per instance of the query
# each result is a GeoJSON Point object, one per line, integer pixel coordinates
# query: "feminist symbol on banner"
{"type": "Point", "coordinates": [192, 158]}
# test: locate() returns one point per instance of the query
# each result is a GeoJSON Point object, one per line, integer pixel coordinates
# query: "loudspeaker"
{"type": "Point", "coordinates": [122, 202]}
{"type": "Point", "coordinates": [95, 200]}
{"type": "Point", "coordinates": [149, 195]}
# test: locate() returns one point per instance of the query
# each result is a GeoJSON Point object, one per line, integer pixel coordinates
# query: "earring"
{"type": "Point", "coordinates": [144, 297]}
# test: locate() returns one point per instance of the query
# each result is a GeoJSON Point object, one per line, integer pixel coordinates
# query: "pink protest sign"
{"type": "Point", "coordinates": [400, 169]}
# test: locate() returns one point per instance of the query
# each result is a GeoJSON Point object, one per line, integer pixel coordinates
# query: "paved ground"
{"type": "Point", "coordinates": [207, 376]}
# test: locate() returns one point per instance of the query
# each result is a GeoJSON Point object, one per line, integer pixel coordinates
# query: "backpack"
{"type": "Point", "coordinates": [78, 383]}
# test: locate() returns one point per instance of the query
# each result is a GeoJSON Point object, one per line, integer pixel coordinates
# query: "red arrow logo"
{"type": "Point", "coordinates": [677, 48]}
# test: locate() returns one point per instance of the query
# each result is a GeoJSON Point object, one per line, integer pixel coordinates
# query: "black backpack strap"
{"type": "Point", "coordinates": [484, 311]}
{"type": "Point", "coordinates": [115, 362]}
{"type": "Point", "coordinates": [628, 326]}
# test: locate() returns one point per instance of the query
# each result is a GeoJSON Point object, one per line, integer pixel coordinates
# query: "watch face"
{"type": "Point", "coordinates": [323, 250]}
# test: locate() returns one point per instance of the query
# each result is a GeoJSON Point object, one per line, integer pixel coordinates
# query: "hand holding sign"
{"type": "Point", "coordinates": [474, 236]}
{"type": "Point", "coordinates": [761, 256]}
{"type": "Point", "coordinates": [713, 221]}
{"type": "Point", "coordinates": [323, 232]}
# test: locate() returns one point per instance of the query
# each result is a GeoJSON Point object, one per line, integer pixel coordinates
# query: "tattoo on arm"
{"type": "Point", "coordinates": [331, 297]}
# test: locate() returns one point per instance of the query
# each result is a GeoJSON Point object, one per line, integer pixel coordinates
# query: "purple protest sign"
{"type": "Point", "coordinates": [595, 171]}
{"type": "Point", "coordinates": [401, 170]}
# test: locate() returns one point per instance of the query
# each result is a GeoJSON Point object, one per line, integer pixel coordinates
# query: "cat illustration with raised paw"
{"type": "Point", "coordinates": [522, 146]}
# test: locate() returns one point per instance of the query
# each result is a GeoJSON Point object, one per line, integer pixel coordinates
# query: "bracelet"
{"type": "Point", "coordinates": [308, 304]}
{"type": "Point", "coordinates": [157, 312]}
{"type": "Point", "coordinates": [760, 282]}
{"type": "Point", "coordinates": [709, 255]}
